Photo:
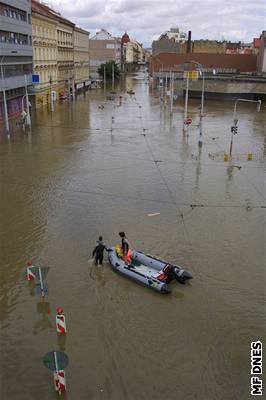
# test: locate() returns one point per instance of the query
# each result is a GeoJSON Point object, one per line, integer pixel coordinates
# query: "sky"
{"type": "Point", "coordinates": [145, 20]}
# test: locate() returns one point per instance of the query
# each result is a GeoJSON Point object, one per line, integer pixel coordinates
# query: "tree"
{"type": "Point", "coordinates": [109, 66]}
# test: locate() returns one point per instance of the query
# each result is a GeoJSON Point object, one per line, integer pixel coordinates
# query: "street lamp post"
{"type": "Point", "coordinates": [4, 98]}
{"type": "Point", "coordinates": [27, 102]}
{"type": "Point", "coordinates": [73, 87]}
{"type": "Point", "coordinates": [113, 76]}
{"type": "Point", "coordinates": [161, 80]}
{"type": "Point", "coordinates": [201, 107]}
{"type": "Point", "coordinates": [235, 120]}
{"type": "Point", "coordinates": [186, 106]}
{"type": "Point", "coordinates": [171, 91]}
{"type": "Point", "coordinates": [104, 77]}
{"type": "Point", "coordinates": [202, 100]}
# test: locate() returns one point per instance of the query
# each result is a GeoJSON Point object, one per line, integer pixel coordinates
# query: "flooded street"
{"type": "Point", "coordinates": [85, 171]}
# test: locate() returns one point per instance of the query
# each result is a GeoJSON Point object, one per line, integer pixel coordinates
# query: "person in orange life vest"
{"type": "Point", "coordinates": [127, 253]}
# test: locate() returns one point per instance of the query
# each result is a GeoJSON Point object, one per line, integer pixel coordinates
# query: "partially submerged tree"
{"type": "Point", "coordinates": [110, 66]}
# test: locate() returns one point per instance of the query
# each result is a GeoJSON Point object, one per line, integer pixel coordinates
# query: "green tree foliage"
{"type": "Point", "coordinates": [108, 70]}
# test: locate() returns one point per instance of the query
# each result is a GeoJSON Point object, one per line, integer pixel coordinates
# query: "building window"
{"type": "Point", "coordinates": [12, 37]}
{"type": "Point", "coordinates": [12, 12]}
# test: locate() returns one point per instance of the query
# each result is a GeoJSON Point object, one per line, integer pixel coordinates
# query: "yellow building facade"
{"type": "Point", "coordinates": [208, 46]}
{"type": "Point", "coordinates": [65, 54]}
{"type": "Point", "coordinates": [44, 55]}
{"type": "Point", "coordinates": [81, 58]}
{"type": "Point", "coordinates": [60, 55]}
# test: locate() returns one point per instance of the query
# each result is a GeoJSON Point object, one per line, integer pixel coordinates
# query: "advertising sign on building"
{"type": "Point", "coordinates": [35, 78]}
{"type": "Point", "coordinates": [191, 75]}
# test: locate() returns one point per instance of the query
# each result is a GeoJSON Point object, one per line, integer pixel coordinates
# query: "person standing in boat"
{"type": "Point", "coordinates": [98, 251]}
{"type": "Point", "coordinates": [127, 253]}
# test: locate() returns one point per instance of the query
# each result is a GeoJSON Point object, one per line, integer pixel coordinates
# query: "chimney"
{"type": "Point", "coordinates": [189, 42]}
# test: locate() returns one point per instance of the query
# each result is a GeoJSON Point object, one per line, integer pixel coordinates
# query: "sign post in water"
{"type": "Point", "coordinates": [57, 361]}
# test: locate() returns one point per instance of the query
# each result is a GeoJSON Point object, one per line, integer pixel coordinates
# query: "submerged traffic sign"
{"type": "Point", "coordinates": [55, 360]}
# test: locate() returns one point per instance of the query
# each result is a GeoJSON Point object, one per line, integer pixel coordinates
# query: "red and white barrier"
{"type": "Point", "coordinates": [30, 274]}
{"type": "Point", "coordinates": [60, 321]}
{"type": "Point", "coordinates": [60, 381]}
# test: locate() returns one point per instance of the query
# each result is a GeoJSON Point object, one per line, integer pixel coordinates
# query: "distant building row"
{"type": "Point", "coordinates": [125, 52]}
{"type": "Point", "coordinates": [173, 47]}
{"type": "Point", "coordinates": [35, 39]}
{"type": "Point", "coordinates": [174, 41]}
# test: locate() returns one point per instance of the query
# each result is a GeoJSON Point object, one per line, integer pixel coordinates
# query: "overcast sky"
{"type": "Point", "coordinates": [145, 20]}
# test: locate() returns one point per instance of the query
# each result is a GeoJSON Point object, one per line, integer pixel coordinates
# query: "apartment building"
{"type": "Point", "coordinates": [15, 55]}
{"type": "Point", "coordinates": [81, 58]}
{"type": "Point", "coordinates": [103, 47]}
{"type": "Point", "coordinates": [172, 41]}
{"type": "Point", "coordinates": [65, 54]}
{"type": "Point", "coordinates": [44, 36]}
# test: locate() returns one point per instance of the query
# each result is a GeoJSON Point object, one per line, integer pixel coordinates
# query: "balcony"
{"type": "Point", "coordinates": [14, 82]}
{"type": "Point", "coordinates": [6, 49]}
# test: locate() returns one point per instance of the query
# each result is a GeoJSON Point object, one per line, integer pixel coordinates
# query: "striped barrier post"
{"type": "Point", "coordinates": [60, 321]}
{"type": "Point", "coordinates": [30, 271]}
{"type": "Point", "coordinates": [60, 381]}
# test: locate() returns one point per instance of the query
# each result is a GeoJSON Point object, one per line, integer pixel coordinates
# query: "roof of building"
{"type": "Point", "coordinates": [232, 46]}
{"type": "Point", "coordinates": [103, 35]}
{"type": "Point", "coordinates": [78, 29]}
{"type": "Point", "coordinates": [43, 9]}
{"type": "Point", "coordinates": [125, 38]}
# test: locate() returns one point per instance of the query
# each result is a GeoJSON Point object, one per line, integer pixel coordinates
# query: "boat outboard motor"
{"type": "Point", "coordinates": [181, 275]}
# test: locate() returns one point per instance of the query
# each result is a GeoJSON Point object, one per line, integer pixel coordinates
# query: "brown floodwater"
{"type": "Point", "coordinates": [80, 173]}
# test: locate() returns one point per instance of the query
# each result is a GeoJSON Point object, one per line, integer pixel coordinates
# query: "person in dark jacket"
{"type": "Point", "coordinates": [127, 253]}
{"type": "Point", "coordinates": [98, 251]}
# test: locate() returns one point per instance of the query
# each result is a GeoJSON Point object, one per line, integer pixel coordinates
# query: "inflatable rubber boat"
{"type": "Point", "coordinates": [148, 270]}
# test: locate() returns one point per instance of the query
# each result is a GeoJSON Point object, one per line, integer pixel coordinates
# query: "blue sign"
{"type": "Point", "coordinates": [35, 78]}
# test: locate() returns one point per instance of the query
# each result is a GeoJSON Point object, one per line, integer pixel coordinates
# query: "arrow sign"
{"type": "Point", "coordinates": [55, 360]}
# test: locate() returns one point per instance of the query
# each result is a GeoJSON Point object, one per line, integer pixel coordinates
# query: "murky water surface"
{"type": "Point", "coordinates": [81, 173]}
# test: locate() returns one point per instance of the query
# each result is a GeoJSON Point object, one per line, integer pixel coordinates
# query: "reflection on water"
{"type": "Point", "coordinates": [85, 171]}
{"type": "Point", "coordinates": [43, 308]}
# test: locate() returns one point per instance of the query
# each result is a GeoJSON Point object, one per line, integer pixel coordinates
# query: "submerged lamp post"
{"type": "Point", "coordinates": [186, 105]}
{"type": "Point", "coordinates": [161, 79]}
{"type": "Point", "coordinates": [4, 97]}
{"type": "Point", "coordinates": [201, 71]}
{"type": "Point", "coordinates": [201, 104]}
{"type": "Point", "coordinates": [234, 127]}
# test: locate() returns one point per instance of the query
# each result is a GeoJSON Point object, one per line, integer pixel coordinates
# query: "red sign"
{"type": "Point", "coordinates": [188, 121]}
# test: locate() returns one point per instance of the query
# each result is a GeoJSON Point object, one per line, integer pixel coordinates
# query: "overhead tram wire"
{"type": "Point", "coordinates": [189, 241]}
{"type": "Point", "coordinates": [103, 194]}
